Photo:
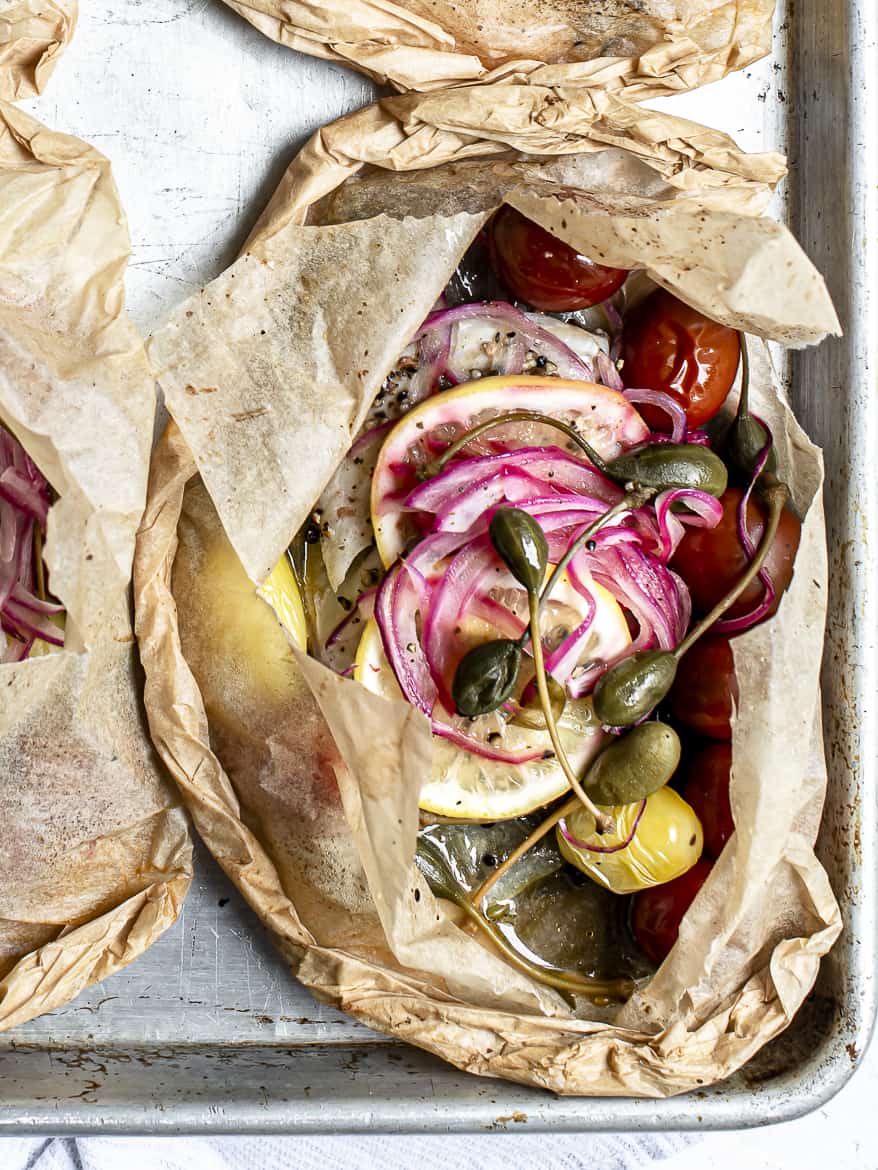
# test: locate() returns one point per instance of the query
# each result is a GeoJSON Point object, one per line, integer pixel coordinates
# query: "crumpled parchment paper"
{"type": "Point", "coordinates": [95, 857]}
{"type": "Point", "coordinates": [33, 35]}
{"type": "Point", "coordinates": [267, 373]}
{"type": "Point", "coordinates": [647, 48]}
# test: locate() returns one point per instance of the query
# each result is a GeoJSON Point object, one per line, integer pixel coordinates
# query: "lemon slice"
{"type": "Point", "coordinates": [281, 591]}
{"type": "Point", "coordinates": [602, 416]}
{"type": "Point", "coordinates": [471, 787]}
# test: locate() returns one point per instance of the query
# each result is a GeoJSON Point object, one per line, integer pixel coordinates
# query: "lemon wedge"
{"type": "Point", "coordinates": [281, 591]}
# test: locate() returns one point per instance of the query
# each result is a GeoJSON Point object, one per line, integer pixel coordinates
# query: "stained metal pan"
{"type": "Point", "coordinates": [208, 1032]}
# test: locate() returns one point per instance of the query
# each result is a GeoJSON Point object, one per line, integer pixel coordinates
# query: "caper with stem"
{"type": "Point", "coordinates": [520, 543]}
{"type": "Point", "coordinates": [660, 466]}
{"type": "Point", "coordinates": [631, 689]}
{"type": "Point", "coordinates": [747, 441]}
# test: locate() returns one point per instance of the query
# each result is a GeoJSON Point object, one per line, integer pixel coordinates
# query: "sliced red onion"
{"type": "Point", "coordinates": [550, 465]}
{"type": "Point", "coordinates": [577, 844]}
{"type": "Point", "coordinates": [704, 511]}
{"type": "Point", "coordinates": [398, 602]}
{"type": "Point", "coordinates": [433, 349]}
{"type": "Point", "coordinates": [506, 319]}
{"type": "Point", "coordinates": [467, 507]}
{"type": "Point", "coordinates": [480, 748]}
{"type": "Point", "coordinates": [756, 615]}
{"type": "Point", "coordinates": [449, 599]}
{"type": "Point", "coordinates": [490, 610]}
{"type": "Point", "coordinates": [563, 659]}
{"type": "Point", "coordinates": [664, 402]}
{"type": "Point", "coordinates": [614, 317]}
{"type": "Point", "coordinates": [22, 597]}
{"type": "Point", "coordinates": [20, 490]}
{"type": "Point", "coordinates": [362, 608]}
{"type": "Point", "coordinates": [658, 600]}
{"type": "Point", "coordinates": [606, 371]}
{"type": "Point", "coordinates": [25, 622]}
{"type": "Point", "coordinates": [366, 440]}
{"type": "Point", "coordinates": [24, 502]}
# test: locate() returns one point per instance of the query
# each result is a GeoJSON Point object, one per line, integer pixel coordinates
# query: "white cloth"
{"type": "Point", "coordinates": [451, 1152]}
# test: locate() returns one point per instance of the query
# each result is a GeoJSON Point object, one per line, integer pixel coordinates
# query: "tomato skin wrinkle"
{"type": "Point", "coordinates": [544, 271]}
{"type": "Point", "coordinates": [671, 347]}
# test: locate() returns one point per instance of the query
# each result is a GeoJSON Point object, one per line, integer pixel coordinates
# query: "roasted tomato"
{"type": "Point", "coordinates": [670, 347]}
{"type": "Point", "coordinates": [656, 913]}
{"type": "Point", "coordinates": [706, 790]}
{"type": "Point", "coordinates": [705, 689]}
{"type": "Point", "coordinates": [544, 271]}
{"type": "Point", "coordinates": [710, 560]}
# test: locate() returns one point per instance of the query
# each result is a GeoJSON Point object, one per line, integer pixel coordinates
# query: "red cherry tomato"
{"type": "Point", "coordinates": [706, 790]}
{"type": "Point", "coordinates": [669, 346]}
{"type": "Point", "coordinates": [656, 913]}
{"type": "Point", "coordinates": [544, 271]}
{"type": "Point", "coordinates": [710, 561]}
{"type": "Point", "coordinates": [705, 688]}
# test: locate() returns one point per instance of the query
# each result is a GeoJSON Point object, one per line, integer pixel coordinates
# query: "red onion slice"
{"type": "Point", "coordinates": [756, 615]}
{"type": "Point", "coordinates": [433, 350]}
{"type": "Point", "coordinates": [577, 844]}
{"type": "Point", "coordinates": [449, 599]}
{"type": "Point", "coordinates": [17, 619]}
{"type": "Point", "coordinates": [704, 511]}
{"type": "Point", "coordinates": [550, 465]}
{"type": "Point", "coordinates": [561, 662]}
{"type": "Point", "coordinates": [363, 607]}
{"type": "Point", "coordinates": [664, 402]}
{"type": "Point", "coordinates": [607, 372]}
{"type": "Point", "coordinates": [24, 502]}
{"type": "Point", "coordinates": [20, 491]}
{"type": "Point", "coordinates": [526, 335]}
{"type": "Point", "coordinates": [397, 605]}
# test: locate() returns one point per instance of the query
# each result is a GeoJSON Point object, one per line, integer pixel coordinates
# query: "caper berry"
{"type": "Point", "coordinates": [633, 687]}
{"type": "Point", "coordinates": [520, 542]}
{"type": "Point", "coordinates": [635, 765]}
{"type": "Point", "coordinates": [665, 466]}
{"type": "Point", "coordinates": [485, 677]}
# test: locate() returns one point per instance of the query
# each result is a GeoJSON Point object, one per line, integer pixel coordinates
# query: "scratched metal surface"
{"type": "Point", "coordinates": [208, 1032]}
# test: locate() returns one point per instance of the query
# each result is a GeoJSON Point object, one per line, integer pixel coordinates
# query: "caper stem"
{"type": "Point", "coordinates": [539, 832]}
{"type": "Point", "coordinates": [563, 981]}
{"type": "Point", "coordinates": [776, 496]}
{"type": "Point", "coordinates": [38, 562]}
{"type": "Point", "coordinates": [603, 822]}
{"type": "Point", "coordinates": [518, 416]}
{"type": "Point", "coordinates": [632, 500]}
{"type": "Point", "coordinates": [744, 397]}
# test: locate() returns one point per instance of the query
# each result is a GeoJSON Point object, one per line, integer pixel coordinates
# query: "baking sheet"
{"type": "Point", "coordinates": [196, 145]}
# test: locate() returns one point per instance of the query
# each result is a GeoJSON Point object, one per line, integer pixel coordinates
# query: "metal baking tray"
{"type": "Point", "coordinates": [208, 1031]}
